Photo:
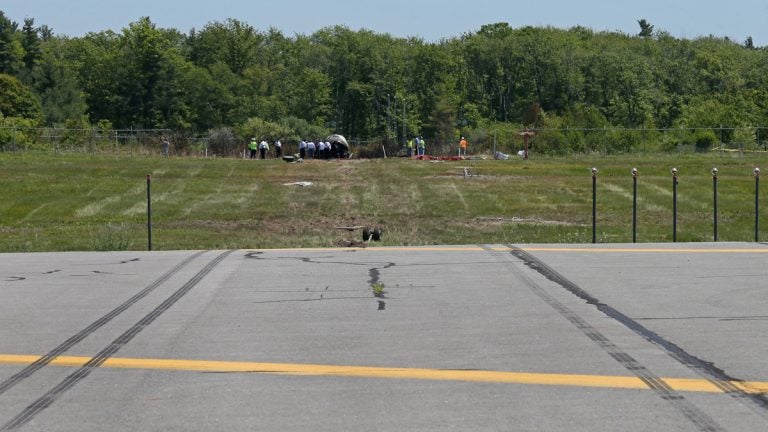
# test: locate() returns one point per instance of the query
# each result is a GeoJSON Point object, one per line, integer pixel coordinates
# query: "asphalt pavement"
{"type": "Point", "coordinates": [643, 337]}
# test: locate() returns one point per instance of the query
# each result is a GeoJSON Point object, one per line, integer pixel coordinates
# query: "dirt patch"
{"type": "Point", "coordinates": [351, 244]}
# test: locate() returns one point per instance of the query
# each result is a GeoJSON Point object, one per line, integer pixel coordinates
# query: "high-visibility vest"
{"type": "Point", "coordinates": [410, 143]}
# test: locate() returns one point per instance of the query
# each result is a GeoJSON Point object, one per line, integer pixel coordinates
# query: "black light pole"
{"type": "Point", "coordinates": [594, 205]}
{"type": "Point", "coordinates": [634, 205]}
{"type": "Point", "coordinates": [757, 203]}
{"type": "Point", "coordinates": [714, 198]}
{"type": "Point", "coordinates": [674, 204]}
{"type": "Point", "coordinates": [149, 212]}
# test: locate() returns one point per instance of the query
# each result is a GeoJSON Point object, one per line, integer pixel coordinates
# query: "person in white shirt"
{"type": "Point", "coordinates": [302, 149]}
{"type": "Point", "coordinates": [278, 149]}
{"type": "Point", "coordinates": [263, 148]}
{"type": "Point", "coordinates": [320, 150]}
{"type": "Point", "coordinates": [311, 150]}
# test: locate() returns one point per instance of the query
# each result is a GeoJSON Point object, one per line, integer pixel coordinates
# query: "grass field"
{"type": "Point", "coordinates": [79, 202]}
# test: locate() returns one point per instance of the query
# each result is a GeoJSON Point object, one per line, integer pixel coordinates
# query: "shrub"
{"type": "Point", "coordinates": [222, 141]}
{"type": "Point", "coordinates": [704, 140]}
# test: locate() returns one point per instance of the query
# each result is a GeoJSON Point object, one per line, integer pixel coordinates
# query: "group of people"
{"type": "Point", "coordinates": [307, 149]}
{"type": "Point", "coordinates": [416, 146]}
{"type": "Point", "coordinates": [321, 150]}
{"type": "Point", "coordinates": [326, 150]}
{"type": "Point", "coordinates": [263, 147]}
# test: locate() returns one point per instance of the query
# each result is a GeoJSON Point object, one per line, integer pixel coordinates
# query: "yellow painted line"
{"type": "Point", "coordinates": [646, 250]}
{"type": "Point", "coordinates": [390, 248]}
{"type": "Point", "coordinates": [615, 382]}
{"type": "Point", "coordinates": [763, 250]}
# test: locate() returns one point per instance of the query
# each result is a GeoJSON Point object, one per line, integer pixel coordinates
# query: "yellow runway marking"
{"type": "Point", "coordinates": [501, 377]}
{"type": "Point", "coordinates": [763, 250]}
{"type": "Point", "coordinates": [645, 250]}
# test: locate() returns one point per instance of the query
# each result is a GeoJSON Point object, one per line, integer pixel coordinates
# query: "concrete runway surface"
{"type": "Point", "coordinates": [647, 337]}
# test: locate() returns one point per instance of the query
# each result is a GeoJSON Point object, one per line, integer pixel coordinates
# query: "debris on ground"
{"type": "Point", "coordinates": [299, 183]}
{"type": "Point", "coordinates": [351, 243]}
{"type": "Point", "coordinates": [292, 159]}
{"type": "Point", "coordinates": [350, 228]}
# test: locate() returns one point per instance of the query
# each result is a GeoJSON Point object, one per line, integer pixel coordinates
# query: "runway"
{"type": "Point", "coordinates": [478, 337]}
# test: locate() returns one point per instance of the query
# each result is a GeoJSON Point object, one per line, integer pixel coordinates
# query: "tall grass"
{"type": "Point", "coordinates": [96, 202]}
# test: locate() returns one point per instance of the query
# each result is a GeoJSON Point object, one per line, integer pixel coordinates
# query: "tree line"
{"type": "Point", "coordinates": [230, 81]}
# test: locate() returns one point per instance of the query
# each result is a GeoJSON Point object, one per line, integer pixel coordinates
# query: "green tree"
{"type": "Point", "coordinates": [646, 29]}
{"type": "Point", "coordinates": [56, 82]}
{"type": "Point", "coordinates": [231, 42]}
{"type": "Point", "coordinates": [16, 100]}
{"type": "Point", "coordinates": [31, 43]}
{"type": "Point", "coordinates": [261, 129]}
{"type": "Point", "coordinates": [11, 50]}
{"type": "Point", "coordinates": [149, 92]}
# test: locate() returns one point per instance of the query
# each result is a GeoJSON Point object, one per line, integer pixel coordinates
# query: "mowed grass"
{"type": "Point", "coordinates": [81, 202]}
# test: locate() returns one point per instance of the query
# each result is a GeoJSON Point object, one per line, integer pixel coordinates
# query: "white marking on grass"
{"type": "Point", "coordinates": [96, 207]}
{"type": "Point", "coordinates": [141, 206]}
{"type": "Point", "coordinates": [138, 208]}
{"type": "Point", "coordinates": [213, 200]}
{"type": "Point", "coordinates": [33, 212]}
{"type": "Point", "coordinates": [461, 197]}
{"type": "Point", "coordinates": [618, 190]}
{"type": "Point", "coordinates": [194, 172]}
{"type": "Point", "coordinates": [659, 189]}
{"type": "Point", "coordinates": [626, 194]}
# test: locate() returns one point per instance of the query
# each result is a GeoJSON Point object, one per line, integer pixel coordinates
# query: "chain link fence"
{"type": "Point", "coordinates": [483, 141]}
{"type": "Point", "coordinates": [114, 141]}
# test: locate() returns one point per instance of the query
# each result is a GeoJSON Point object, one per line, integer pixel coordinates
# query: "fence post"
{"type": "Point", "coordinates": [634, 205]}
{"type": "Point", "coordinates": [674, 204]}
{"type": "Point", "coordinates": [149, 212]}
{"type": "Point", "coordinates": [757, 204]}
{"type": "Point", "coordinates": [594, 205]}
{"type": "Point", "coordinates": [714, 199]}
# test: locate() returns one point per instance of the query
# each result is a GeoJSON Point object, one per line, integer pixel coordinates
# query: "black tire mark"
{"type": "Point", "coordinates": [718, 377]}
{"type": "Point", "coordinates": [702, 420]}
{"type": "Point", "coordinates": [82, 334]}
{"type": "Point", "coordinates": [15, 278]}
{"type": "Point", "coordinates": [321, 298]}
{"type": "Point", "coordinates": [50, 397]}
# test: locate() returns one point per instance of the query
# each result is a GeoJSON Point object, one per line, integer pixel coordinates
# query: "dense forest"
{"type": "Point", "coordinates": [229, 80]}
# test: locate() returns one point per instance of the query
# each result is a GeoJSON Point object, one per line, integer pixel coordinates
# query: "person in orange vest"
{"type": "Point", "coordinates": [463, 146]}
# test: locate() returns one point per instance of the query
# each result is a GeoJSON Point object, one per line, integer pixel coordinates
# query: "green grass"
{"type": "Point", "coordinates": [378, 290]}
{"type": "Point", "coordinates": [77, 202]}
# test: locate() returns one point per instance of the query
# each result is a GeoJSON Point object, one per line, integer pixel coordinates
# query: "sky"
{"type": "Point", "coordinates": [430, 20]}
